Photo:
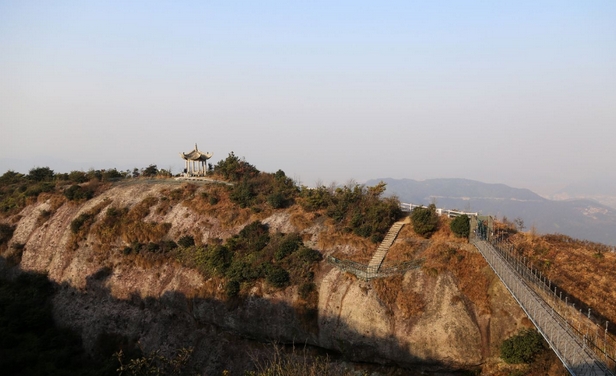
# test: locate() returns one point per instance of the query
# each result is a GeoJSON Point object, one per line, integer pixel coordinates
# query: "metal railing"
{"type": "Point", "coordinates": [366, 272]}
{"type": "Point", "coordinates": [574, 351]}
{"type": "Point", "coordinates": [407, 208]}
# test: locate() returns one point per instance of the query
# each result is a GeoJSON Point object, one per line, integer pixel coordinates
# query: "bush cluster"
{"type": "Point", "coordinates": [522, 348]}
{"type": "Point", "coordinates": [256, 189]}
{"type": "Point", "coordinates": [355, 208]}
{"type": "Point", "coordinates": [253, 254]}
{"type": "Point", "coordinates": [76, 193]}
{"type": "Point", "coordinates": [461, 226]}
{"type": "Point", "coordinates": [425, 220]}
{"type": "Point", "coordinates": [129, 225]}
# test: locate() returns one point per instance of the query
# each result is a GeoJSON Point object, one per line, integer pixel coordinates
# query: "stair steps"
{"type": "Point", "coordinates": [381, 251]}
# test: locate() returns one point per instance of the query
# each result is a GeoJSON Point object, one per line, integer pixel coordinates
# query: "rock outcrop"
{"type": "Point", "coordinates": [167, 305]}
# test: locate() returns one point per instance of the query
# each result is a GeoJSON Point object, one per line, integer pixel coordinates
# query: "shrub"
{"type": "Point", "coordinates": [232, 288]}
{"type": "Point", "coordinates": [252, 238]}
{"type": "Point", "coordinates": [219, 259]}
{"type": "Point", "coordinates": [77, 192]}
{"type": "Point", "coordinates": [305, 289]}
{"type": "Point", "coordinates": [425, 220]}
{"type": "Point", "coordinates": [213, 200]}
{"type": "Point", "coordinates": [186, 241]}
{"type": "Point", "coordinates": [242, 271]}
{"type": "Point", "coordinates": [288, 245]}
{"type": "Point", "coordinates": [235, 169]}
{"type": "Point", "coordinates": [111, 174]}
{"type": "Point", "coordinates": [39, 174]}
{"type": "Point", "coordinates": [78, 177]}
{"type": "Point", "coordinates": [522, 347]}
{"type": "Point", "coordinates": [277, 276]}
{"type": "Point", "coordinates": [461, 226]}
{"type": "Point", "coordinates": [79, 222]}
{"type": "Point", "coordinates": [150, 171]}
{"type": "Point", "coordinates": [11, 177]}
{"type": "Point", "coordinates": [37, 189]}
{"type": "Point", "coordinates": [276, 200]}
{"type": "Point", "coordinates": [243, 193]}
{"type": "Point", "coordinates": [309, 255]}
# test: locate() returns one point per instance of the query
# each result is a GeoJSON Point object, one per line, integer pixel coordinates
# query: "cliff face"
{"type": "Point", "coordinates": [417, 318]}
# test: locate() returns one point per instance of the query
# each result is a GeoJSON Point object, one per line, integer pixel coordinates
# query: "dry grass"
{"type": "Point", "coordinates": [576, 267]}
{"type": "Point", "coordinates": [295, 362]}
{"type": "Point", "coordinates": [301, 219]}
{"type": "Point", "coordinates": [229, 214]}
{"type": "Point", "coordinates": [398, 297]}
{"type": "Point", "coordinates": [405, 249]}
{"type": "Point", "coordinates": [468, 268]}
{"type": "Point", "coordinates": [347, 246]}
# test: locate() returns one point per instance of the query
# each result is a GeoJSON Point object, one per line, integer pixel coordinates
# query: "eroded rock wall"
{"type": "Point", "coordinates": [169, 306]}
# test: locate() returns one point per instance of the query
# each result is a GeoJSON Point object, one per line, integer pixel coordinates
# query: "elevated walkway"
{"type": "Point", "coordinates": [570, 349]}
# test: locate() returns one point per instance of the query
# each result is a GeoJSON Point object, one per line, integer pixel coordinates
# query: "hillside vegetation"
{"type": "Point", "coordinates": [243, 253]}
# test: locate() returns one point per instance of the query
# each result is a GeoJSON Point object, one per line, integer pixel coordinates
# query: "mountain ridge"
{"type": "Point", "coordinates": [580, 218]}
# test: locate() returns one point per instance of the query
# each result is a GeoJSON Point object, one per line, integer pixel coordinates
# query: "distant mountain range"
{"type": "Point", "coordinates": [578, 218]}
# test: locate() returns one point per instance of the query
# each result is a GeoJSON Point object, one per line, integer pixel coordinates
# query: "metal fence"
{"type": "Point", "coordinates": [366, 272]}
{"type": "Point", "coordinates": [587, 325]}
{"type": "Point", "coordinates": [576, 353]}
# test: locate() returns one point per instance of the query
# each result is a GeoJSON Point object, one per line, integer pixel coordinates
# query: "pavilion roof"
{"type": "Point", "coordinates": [196, 155]}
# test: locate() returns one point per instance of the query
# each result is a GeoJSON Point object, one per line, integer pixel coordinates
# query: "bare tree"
{"type": "Point", "coordinates": [519, 224]}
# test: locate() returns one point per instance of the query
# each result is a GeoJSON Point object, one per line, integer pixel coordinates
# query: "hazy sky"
{"type": "Point", "coordinates": [517, 92]}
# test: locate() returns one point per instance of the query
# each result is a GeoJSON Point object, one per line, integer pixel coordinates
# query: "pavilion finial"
{"type": "Point", "coordinates": [196, 146]}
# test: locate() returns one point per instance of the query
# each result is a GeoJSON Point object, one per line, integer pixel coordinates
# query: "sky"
{"type": "Point", "coordinates": [518, 92]}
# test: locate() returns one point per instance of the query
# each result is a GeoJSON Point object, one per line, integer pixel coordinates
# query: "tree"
{"type": "Point", "coordinates": [425, 220]}
{"type": "Point", "coordinates": [519, 224]}
{"type": "Point", "coordinates": [41, 174]}
{"type": "Point", "coordinates": [461, 226]}
{"type": "Point", "coordinates": [150, 171]}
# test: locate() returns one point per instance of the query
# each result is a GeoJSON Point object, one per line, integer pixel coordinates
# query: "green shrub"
{"type": "Point", "coordinates": [79, 222]}
{"type": "Point", "coordinates": [78, 177]}
{"type": "Point", "coordinates": [186, 241]}
{"type": "Point", "coordinates": [11, 177]}
{"type": "Point", "coordinates": [242, 271]}
{"type": "Point", "coordinates": [37, 189]}
{"type": "Point", "coordinates": [309, 255]}
{"type": "Point", "coordinates": [39, 174]}
{"type": "Point", "coordinates": [522, 348]}
{"type": "Point", "coordinates": [277, 276]}
{"type": "Point", "coordinates": [243, 193]}
{"type": "Point", "coordinates": [235, 169]}
{"type": "Point", "coordinates": [305, 289]}
{"type": "Point", "coordinates": [288, 245]}
{"type": "Point", "coordinates": [252, 238]}
{"type": "Point", "coordinates": [219, 259]}
{"type": "Point", "coordinates": [461, 226]}
{"type": "Point", "coordinates": [276, 200]}
{"type": "Point", "coordinates": [355, 208]}
{"type": "Point", "coordinates": [150, 171]}
{"type": "Point", "coordinates": [77, 192]}
{"type": "Point", "coordinates": [425, 220]}
{"type": "Point", "coordinates": [232, 288]}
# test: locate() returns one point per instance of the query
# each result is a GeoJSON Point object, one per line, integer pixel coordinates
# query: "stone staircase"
{"type": "Point", "coordinates": [381, 251]}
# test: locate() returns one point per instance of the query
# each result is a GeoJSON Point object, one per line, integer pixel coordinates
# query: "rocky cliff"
{"type": "Point", "coordinates": [433, 316]}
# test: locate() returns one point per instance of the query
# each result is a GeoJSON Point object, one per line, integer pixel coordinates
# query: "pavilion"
{"type": "Point", "coordinates": [196, 162]}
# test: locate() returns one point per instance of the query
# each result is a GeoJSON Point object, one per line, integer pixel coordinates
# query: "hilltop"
{"type": "Point", "coordinates": [161, 264]}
